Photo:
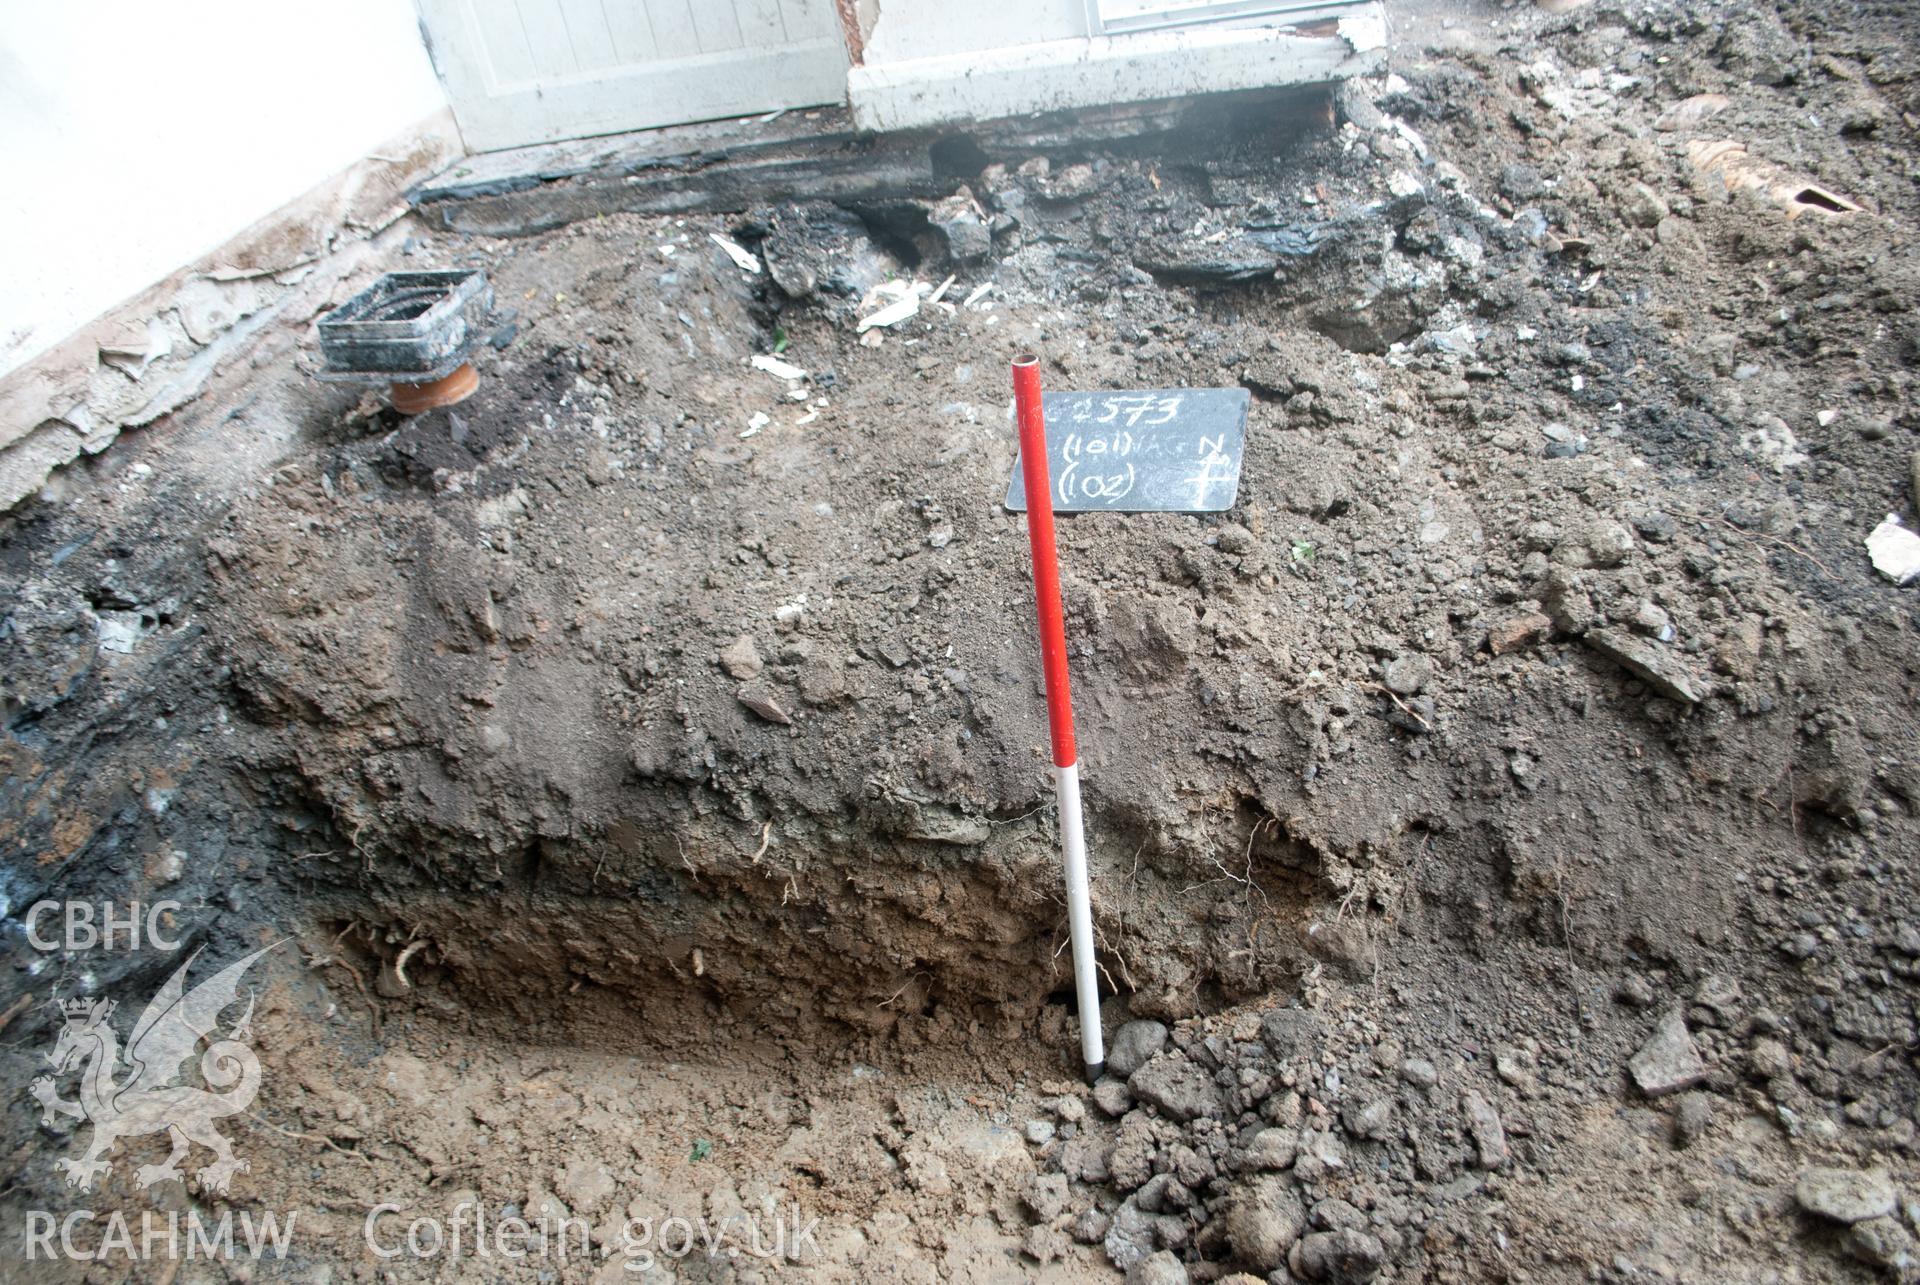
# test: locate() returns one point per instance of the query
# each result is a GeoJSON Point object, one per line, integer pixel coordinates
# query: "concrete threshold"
{"type": "Point", "coordinates": [1059, 75]}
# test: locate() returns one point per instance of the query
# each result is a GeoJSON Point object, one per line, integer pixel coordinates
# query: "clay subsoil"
{"type": "Point", "coordinates": [1502, 822]}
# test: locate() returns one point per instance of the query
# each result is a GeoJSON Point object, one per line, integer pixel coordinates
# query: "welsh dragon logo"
{"type": "Point", "coordinates": [150, 1098]}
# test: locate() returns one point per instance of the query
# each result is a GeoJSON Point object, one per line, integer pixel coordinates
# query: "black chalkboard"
{"type": "Point", "coordinates": [1168, 450]}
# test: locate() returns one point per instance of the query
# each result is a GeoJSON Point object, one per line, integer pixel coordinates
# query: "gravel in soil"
{"type": "Point", "coordinates": [1502, 823]}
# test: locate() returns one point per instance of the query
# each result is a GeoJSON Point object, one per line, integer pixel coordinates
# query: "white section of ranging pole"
{"type": "Point", "coordinates": [1032, 420]}
{"type": "Point", "coordinates": [1073, 850]}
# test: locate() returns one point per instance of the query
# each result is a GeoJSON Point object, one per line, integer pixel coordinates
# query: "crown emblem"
{"type": "Point", "coordinates": [82, 1007]}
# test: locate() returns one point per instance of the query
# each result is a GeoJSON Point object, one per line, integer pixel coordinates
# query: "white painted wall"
{"type": "Point", "coordinates": [138, 135]}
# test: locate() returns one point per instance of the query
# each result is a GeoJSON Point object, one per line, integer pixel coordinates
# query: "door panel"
{"type": "Point", "coordinates": [532, 71]}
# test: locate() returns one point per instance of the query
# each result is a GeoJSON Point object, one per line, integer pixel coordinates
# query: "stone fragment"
{"type": "Point", "coordinates": [1180, 1089]}
{"type": "Point", "coordinates": [1646, 661]}
{"type": "Point", "coordinates": [1131, 1161]}
{"type": "Point", "coordinates": [1160, 1268]}
{"type": "Point", "coordinates": [585, 1186]}
{"type": "Point", "coordinates": [958, 219]}
{"type": "Point", "coordinates": [1272, 1149]}
{"type": "Point", "coordinates": [1634, 991]}
{"type": "Point", "coordinates": [1568, 601]}
{"type": "Point", "coordinates": [1415, 717]}
{"type": "Point", "coordinates": [1113, 1096]}
{"type": "Point", "coordinates": [1315, 481]}
{"type": "Point", "coordinates": [1333, 1214]}
{"type": "Point", "coordinates": [1845, 1195]}
{"type": "Point", "coordinates": [1085, 1158]}
{"type": "Point", "coordinates": [1345, 1257]}
{"type": "Point", "coordinates": [1045, 1244]}
{"type": "Point", "coordinates": [819, 248]}
{"type": "Point", "coordinates": [1163, 1194]}
{"type": "Point", "coordinates": [824, 684]}
{"type": "Point", "coordinates": [1883, 1242]}
{"type": "Point", "coordinates": [926, 1173]}
{"type": "Point", "coordinates": [1668, 1062]}
{"type": "Point", "coordinates": [1654, 526]}
{"type": "Point", "coordinates": [1232, 538]}
{"type": "Point", "coordinates": [1521, 183]}
{"type": "Point", "coordinates": [1642, 206]}
{"type": "Point", "coordinates": [1894, 551]}
{"type": "Point", "coordinates": [1129, 1235]}
{"type": "Point", "coordinates": [1516, 632]}
{"type": "Point", "coordinates": [1483, 1125]}
{"type": "Point", "coordinates": [1602, 543]}
{"type": "Point", "coordinates": [1263, 1220]}
{"type": "Point", "coordinates": [1289, 1032]}
{"type": "Point", "coordinates": [1419, 1072]}
{"type": "Point", "coordinates": [1769, 1059]}
{"type": "Point", "coordinates": [1370, 1120]}
{"type": "Point", "coordinates": [1518, 1068]}
{"type": "Point", "coordinates": [1799, 946]}
{"type": "Point", "coordinates": [1046, 1196]}
{"type": "Point", "coordinates": [1406, 675]}
{"type": "Point", "coordinates": [1652, 620]}
{"type": "Point", "coordinates": [938, 824]}
{"type": "Point", "coordinates": [1133, 1044]}
{"type": "Point", "coordinates": [1691, 1118]}
{"type": "Point", "coordinates": [759, 698]}
{"type": "Point", "coordinates": [1720, 995]}
{"type": "Point", "coordinates": [1321, 1152]}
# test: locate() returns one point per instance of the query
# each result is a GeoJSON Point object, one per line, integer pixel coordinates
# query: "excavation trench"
{"type": "Point", "coordinates": [689, 938]}
{"type": "Point", "coordinates": [647, 756]}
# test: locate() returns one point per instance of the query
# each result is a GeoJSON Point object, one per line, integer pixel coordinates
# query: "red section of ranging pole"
{"type": "Point", "coordinates": [1046, 563]}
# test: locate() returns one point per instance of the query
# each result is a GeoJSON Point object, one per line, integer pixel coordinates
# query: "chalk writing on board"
{"type": "Point", "coordinates": [1173, 450]}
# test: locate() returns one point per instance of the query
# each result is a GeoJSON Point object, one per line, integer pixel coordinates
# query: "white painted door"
{"type": "Point", "coordinates": [532, 71]}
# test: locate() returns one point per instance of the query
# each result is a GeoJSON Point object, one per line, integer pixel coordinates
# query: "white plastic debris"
{"type": "Point", "coordinates": [1411, 138]}
{"type": "Point", "coordinates": [893, 314]}
{"type": "Point", "coordinates": [759, 421]}
{"type": "Point", "coordinates": [940, 291]}
{"type": "Point", "coordinates": [777, 368]}
{"type": "Point", "coordinates": [978, 293]}
{"type": "Point", "coordinates": [1895, 551]}
{"type": "Point", "coordinates": [744, 259]}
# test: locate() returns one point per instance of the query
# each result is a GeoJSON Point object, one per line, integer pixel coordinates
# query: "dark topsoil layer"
{"type": "Point", "coordinates": [1537, 694]}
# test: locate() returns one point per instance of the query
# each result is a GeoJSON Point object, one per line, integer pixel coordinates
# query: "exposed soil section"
{"type": "Point", "coordinates": [1502, 823]}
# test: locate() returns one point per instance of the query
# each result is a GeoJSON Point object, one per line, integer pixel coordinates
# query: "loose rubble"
{"type": "Point", "coordinates": [1502, 822]}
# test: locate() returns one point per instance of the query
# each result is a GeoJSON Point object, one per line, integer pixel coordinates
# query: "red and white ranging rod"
{"type": "Point", "coordinates": [1053, 664]}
